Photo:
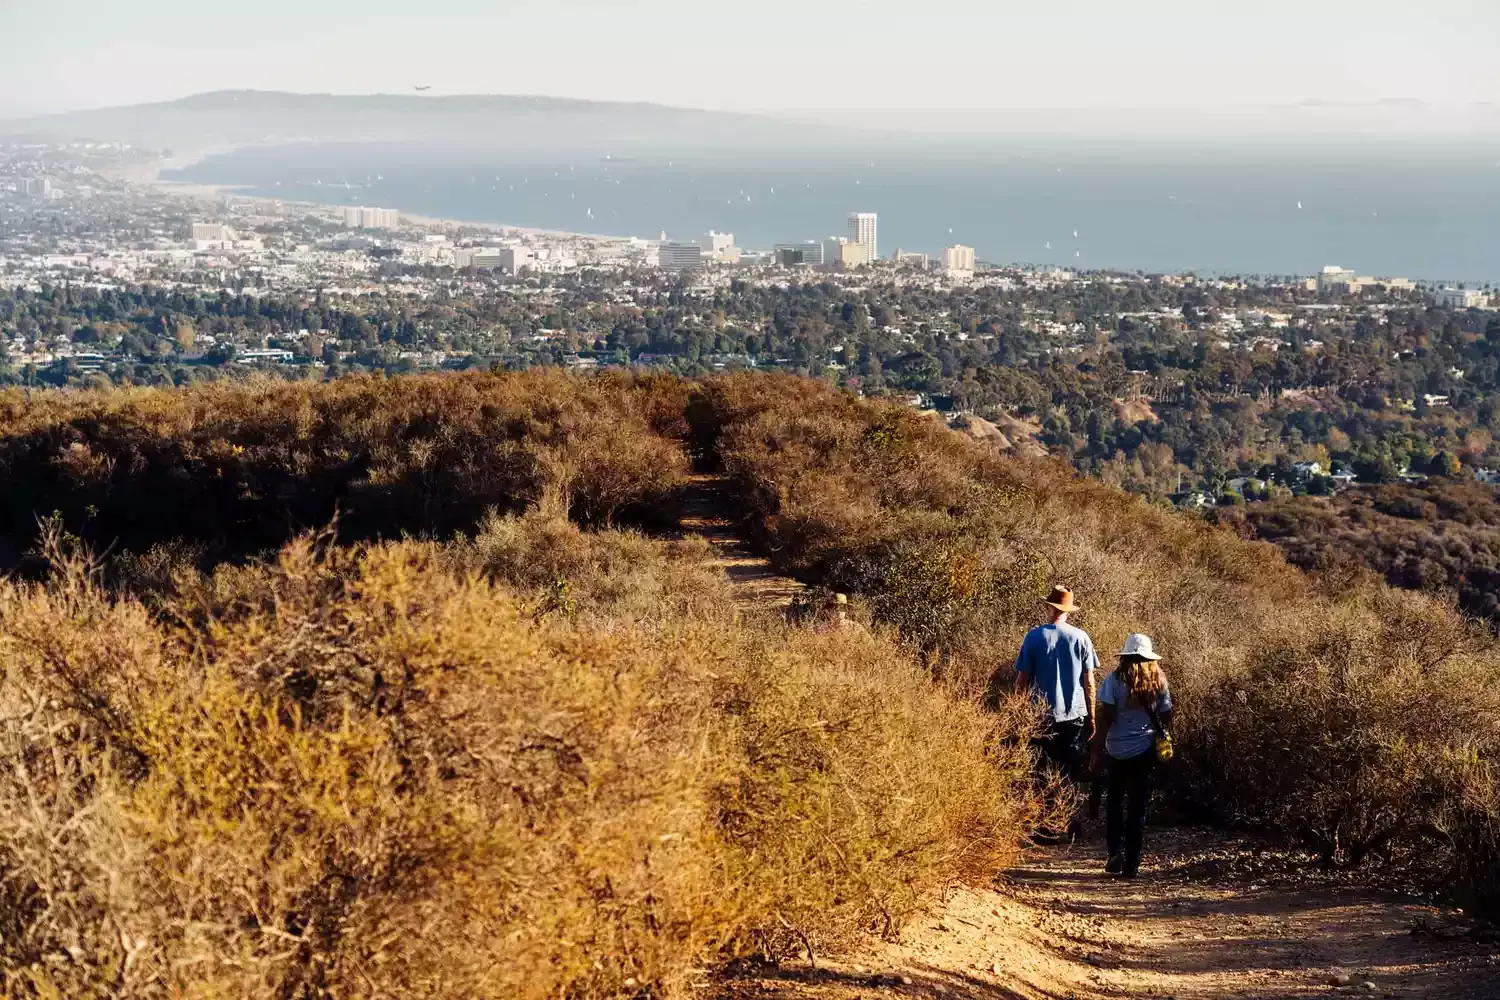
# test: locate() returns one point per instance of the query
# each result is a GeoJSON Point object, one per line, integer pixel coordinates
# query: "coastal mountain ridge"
{"type": "Point", "coordinates": [525, 123]}
{"type": "Point", "coordinates": [516, 123]}
{"type": "Point", "coordinates": [284, 100]}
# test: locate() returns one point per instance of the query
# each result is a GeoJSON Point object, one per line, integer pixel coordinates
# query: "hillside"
{"type": "Point", "coordinates": [1440, 537]}
{"type": "Point", "coordinates": [436, 686]}
{"type": "Point", "coordinates": [497, 122]}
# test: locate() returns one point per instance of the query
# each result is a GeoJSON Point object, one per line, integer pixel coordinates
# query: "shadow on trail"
{"type": "Point", "coordinates": [917, 981]}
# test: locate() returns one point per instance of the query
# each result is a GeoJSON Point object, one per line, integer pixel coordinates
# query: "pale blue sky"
{"type": "Point", "coordinates": [759, 54]}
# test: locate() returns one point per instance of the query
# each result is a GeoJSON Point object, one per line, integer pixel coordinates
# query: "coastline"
{"type": "Point", "coordinates": [149, 176]}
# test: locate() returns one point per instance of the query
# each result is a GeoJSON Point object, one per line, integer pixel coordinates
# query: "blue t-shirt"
{"type": "Point", "coordinates": [1131, 734]}
{"type": "Point", "coordinates": [1057, 658]}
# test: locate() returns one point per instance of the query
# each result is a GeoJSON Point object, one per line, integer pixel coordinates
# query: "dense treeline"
{"type": "Point", "coordinates": [1350, 385]}
{"type": "Point", "coordinates": [1442, 537]}
{"type": "Point", "coordinates": [1150, 397]}
{"type": "Point", "coordinates": [232, 471]}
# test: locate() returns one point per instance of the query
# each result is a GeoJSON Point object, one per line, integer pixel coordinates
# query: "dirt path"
{"type": "Point", "coordinates": [706, 510]}
{"type": "Point", "coordinates": [1210, 918]}
{"type": "Point", "coordinates": [1056, 927]}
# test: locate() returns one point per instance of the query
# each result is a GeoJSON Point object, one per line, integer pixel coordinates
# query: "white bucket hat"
{"type": "Point", "coordinates": [1139, 645]}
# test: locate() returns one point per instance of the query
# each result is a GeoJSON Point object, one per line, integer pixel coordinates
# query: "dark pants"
{"type": "Point", "coordinates": [1064, 745]}
{"type": "Point", "coordinates": [1127, 795]}
{"type": "Point", "coordinates": [1064, 749]}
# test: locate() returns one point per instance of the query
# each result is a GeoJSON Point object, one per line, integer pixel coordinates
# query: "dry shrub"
{"type": "Point", "coordinates": [356, 772]}
{"type": "Point", "coordinates": [240, 469]}
{"type": "Point", "coordinates": [1362, 722]}
{"type": "Point", "coordinates": [606, 576]}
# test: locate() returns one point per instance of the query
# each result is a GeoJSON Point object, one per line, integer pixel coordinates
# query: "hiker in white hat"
{"type": "Point", "coordinates": [1132, 737]}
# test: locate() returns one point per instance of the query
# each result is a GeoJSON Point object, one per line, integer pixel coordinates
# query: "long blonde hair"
{"type": "Point", "coordinates": [1142, 677]}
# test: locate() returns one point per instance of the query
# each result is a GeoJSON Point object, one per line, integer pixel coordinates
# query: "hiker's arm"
{"type": "Point", "coordinates": [1101, 729]}
{"type": "Point", "coordinates": [1023, 665]}
{"type": "Point", "coordinates": [1091, 693]}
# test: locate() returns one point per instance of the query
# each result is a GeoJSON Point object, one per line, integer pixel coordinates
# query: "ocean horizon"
{"type": "Point", "coordinates": [1386, 208]}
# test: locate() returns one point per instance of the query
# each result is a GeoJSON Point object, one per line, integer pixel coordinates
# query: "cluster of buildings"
{"type": "Point", "coordinates": [1342, 281]}
{"type": "Point", "coordinates": [859, 248]}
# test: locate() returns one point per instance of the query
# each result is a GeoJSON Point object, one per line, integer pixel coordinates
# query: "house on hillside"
{"type": "Point", "coordinates": [1307, 470]}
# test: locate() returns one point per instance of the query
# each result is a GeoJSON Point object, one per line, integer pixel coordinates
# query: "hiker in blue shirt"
{"type": "Point", "coordinates": [1057, 664]}
{"type": "Point", "coordinates": [1134, 733]}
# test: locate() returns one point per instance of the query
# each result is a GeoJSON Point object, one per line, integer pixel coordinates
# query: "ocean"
{"type": "Point", "coordinates": [1420, 210]}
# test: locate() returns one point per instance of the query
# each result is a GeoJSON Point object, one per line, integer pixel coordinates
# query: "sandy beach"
{"type": "Point", "coordinates": [150, 176]}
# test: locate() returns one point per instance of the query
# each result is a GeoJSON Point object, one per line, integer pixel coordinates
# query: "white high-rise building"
{"type": "Point", "coordinates": [862, 231]}
{"type": "Point", "coordinates": [958, 260]}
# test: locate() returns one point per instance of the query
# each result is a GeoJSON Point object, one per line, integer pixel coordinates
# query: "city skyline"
{"type": "Point", "coordinates": [76, 54]}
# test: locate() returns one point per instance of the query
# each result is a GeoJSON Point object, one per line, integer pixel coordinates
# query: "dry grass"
{"type": "Point", "coordinates": [605, 578]}
{"type": "Point", "coordinates": [356, 772]}
{"type": "Point", "coordinates": [1362, 720]}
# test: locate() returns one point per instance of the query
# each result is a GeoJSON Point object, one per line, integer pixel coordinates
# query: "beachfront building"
{"type": "Point", "coordinates": [512, 259]}
{"type": "Point", "coordinates": [715, 243]}
{"type": "Point", "coordinates": [1460, 298]}
{"type": "Point", "coordinates": [675, 255]}
{"type": "Point", "coordinates": [719, 248]}
{"type": "Point", "coordinates": [211, 236]}
{"type": "Point", "coordinates": [1335, 278]}
{"type": "Point", "coordinates": [845, 254]}
{"type": "Point", "coordinates": [808, 253]}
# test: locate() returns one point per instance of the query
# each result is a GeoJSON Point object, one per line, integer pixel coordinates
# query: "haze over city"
{"type": "Point", "coordinates": [776, 55]}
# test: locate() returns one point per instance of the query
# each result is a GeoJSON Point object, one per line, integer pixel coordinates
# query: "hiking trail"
{"type": "Point", "coordinates": [1191, 928]}
{"type": "Point", "coordinates": [1212, 916]}
{"type": "Point", "coordinates": [705, 509]}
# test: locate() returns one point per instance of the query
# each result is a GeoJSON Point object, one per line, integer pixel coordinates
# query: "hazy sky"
{"type": "Point", "coordinates": [759, 54]}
